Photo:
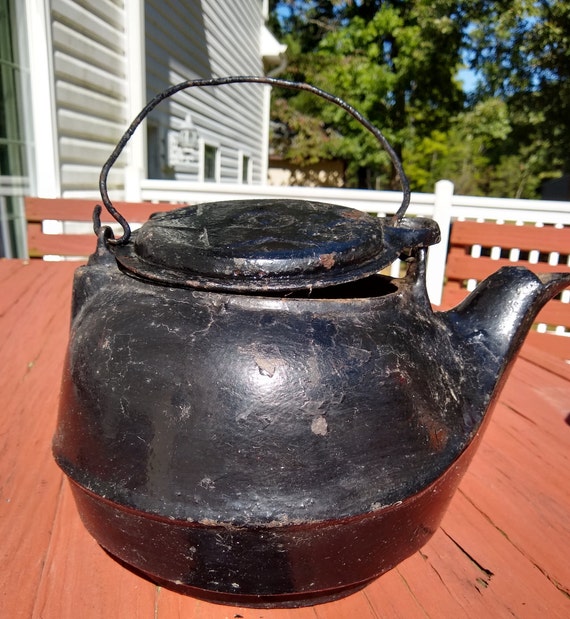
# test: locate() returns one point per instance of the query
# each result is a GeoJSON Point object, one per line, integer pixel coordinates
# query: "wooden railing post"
{"type": "Point", "coordinates": [437, 255]}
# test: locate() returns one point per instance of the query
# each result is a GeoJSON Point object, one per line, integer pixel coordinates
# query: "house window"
{"type": "Point", "coordinates": [210, 163]}
{"type": "Point", "coordinates": [13, 144]}
{"type": "Point", "coordinates": [245, 169]}
{"type": "Point", "coordinates": [154, 155]}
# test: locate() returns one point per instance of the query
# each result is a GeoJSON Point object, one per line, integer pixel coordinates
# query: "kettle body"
{"type": "Point", "coordinates": [321, 438]}
{"type": "Point", "coordinates": [250, 413]}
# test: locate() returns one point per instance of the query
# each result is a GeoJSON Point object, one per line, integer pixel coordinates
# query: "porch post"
{"type": "Point", "coordinates": [136, 167]}
{"type": "Point", "coordinates": [437, 255]}
{"type": "Point", "coordinates": [44, 159]}
{"type": "Point", "coordinates": [265, 135]}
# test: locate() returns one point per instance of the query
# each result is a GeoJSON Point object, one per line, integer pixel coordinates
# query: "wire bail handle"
{"type": "Point", "coordinates": [124, 239]}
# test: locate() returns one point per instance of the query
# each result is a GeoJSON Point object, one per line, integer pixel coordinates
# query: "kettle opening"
{"type": "Point", "coordinates": [373, 286]}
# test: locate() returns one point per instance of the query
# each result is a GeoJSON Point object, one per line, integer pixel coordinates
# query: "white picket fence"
{"type": "Point", "coordinates": [442, 205]}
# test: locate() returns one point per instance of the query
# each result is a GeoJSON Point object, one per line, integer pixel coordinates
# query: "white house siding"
{"type": "Point", "coordinates": [183, 39]}
{"type": "Point", "coordinates": [187, 39]}
{"type": "Point", "coordinates": [90, 89]}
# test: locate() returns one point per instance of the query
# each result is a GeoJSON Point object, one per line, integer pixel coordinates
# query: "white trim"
{"type": "Point", "coordinates": [201, 144]}
{"type": "Point", "coordinates": [270, 48]}
{"type": "Point", "coordinates": [25, 103]}
{"type": "Point", "coordinates": [45, 151]}
{"type": "Point", "coordinates": [264, 174]}
{"type": "Point", "coordinates": [136, 168]}
{"type": "Point", "coordinates": [437, 255]}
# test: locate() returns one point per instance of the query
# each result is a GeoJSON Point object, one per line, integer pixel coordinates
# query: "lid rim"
{"type": "Point", "coordinates": [147, 271]}
{"type": "Point", "coordinates": [267, 245]}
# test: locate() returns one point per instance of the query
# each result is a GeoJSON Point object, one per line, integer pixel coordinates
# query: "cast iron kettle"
{"type": "Point", "coordinates": [251, 414]}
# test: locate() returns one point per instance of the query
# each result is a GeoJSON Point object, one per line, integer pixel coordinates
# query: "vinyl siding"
{"type": "Point", "coordinates": [184, 39]}
{"type": "Point", "coordinates": [211, 38]}
{"type": "Point", "coordinates": [90, 89]}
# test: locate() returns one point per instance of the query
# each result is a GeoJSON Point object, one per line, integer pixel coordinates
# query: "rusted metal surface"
{"type": "Point", "coordinates": [232, 436]}
{"type": "Point", "coordinates": [292, 426]}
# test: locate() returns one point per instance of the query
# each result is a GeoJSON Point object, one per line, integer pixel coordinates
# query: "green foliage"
{"type": "Point", "coordinates": [398, 62]}
{"type": "Point", "coordinates": [397, 68]}
{"type": "Point", "coordinates": [522, 52]}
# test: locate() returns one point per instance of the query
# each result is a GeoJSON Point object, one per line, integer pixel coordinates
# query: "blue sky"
{"type": "Point", "coordinates": [469, 79]}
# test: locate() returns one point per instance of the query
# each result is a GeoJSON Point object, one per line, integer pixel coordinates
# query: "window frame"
{"type": "Point", "coordinates": [210, 144]}
{"type": "Point", "coordinates": [243, 157]}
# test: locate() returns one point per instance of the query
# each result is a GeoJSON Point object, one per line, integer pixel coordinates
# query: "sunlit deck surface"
{"type": "Point", "coordinates": [502, 550]}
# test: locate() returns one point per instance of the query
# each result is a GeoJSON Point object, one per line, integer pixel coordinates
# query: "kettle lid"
{"type": "Point", "coordinates": [267, 245]}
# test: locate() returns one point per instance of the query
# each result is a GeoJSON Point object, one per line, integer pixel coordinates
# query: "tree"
{"type": "Point", "coordinates": [521, 50]}
{"type": "Point", "coordinates": [464, 152]}
{"type": "Point", "coordinates": [396, 62]}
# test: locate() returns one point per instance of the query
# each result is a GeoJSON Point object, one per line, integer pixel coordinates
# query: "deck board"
{"type": "Point", "coordinates": [502, 549]}
{"type": "Point", "coordinates": [30, 483]}
{"type": "Point", "coordinates": [392, 596]}
{"type": "Point", "coordinates": [78, 563]}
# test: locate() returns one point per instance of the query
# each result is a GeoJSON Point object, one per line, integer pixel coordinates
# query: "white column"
{"type": "Point", "coordinates": [44, 159]}
{"type": "Point", "coordinates": [136, 168]}
{"type": "Point", "coordinates": [265, 133]}
{"type": "Point", "coordinates": [437, 254]}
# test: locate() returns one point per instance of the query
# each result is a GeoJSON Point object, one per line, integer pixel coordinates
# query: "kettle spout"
{"type": "Point", "coordinates": [501, 310]}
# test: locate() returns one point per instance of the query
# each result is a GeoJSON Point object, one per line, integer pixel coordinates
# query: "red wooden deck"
{"type": "Point", "coordinates": [502, 550]}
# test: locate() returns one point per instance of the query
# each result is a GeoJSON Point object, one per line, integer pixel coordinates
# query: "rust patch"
{"type": "Point", "coordinates": [267, 366]}
{"type": "Point", "coordinates": [319, 426]}
{"type": "Point", "coordinates": [354, 214]}
{"type": "Point", "coordinates": [437, 438]}
{"type": "Point", "coordinates": [327, 260]}
{"type": "Point", "coordinates": [437, 433]}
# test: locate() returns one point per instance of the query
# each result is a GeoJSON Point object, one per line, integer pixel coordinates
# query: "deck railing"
{"type": "Point", "coordinates": [443, 205]}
